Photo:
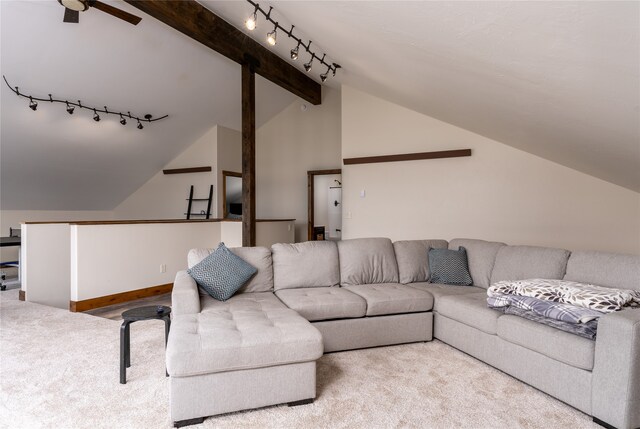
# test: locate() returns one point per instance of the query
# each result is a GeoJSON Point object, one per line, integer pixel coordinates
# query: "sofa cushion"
{"type": "Point", "coordinates": [529, 262]}
{"type": "Point", "coordinates": [604, 269]}
{"type": "Point", "coordinates": [259, 257]}
{"type": "Point", "coordinates": [367, 261]}
{"type": "Point", "coordinates": [481, 255]}
{"type": "Point", "coordinates": [392, 298]}
{"type": "Point", "coordinates": [440, 290]}
{"type": "Point", "coordinates": [413, 259]}
{"type": "Point", "coordinates": [450, 266]}
{"type": "Point", "coordinates": [470, 309]}
{"type": "Point", "coordinates": [247, 331]}
{"type": "Point", "coordinates": [308, 264]}
{"type": "Point", "coordinates": [221, 273]}
{"type": "Point", "coordinates": [551, 342]}
{"type": "Point", "coordinates": [323, 303]}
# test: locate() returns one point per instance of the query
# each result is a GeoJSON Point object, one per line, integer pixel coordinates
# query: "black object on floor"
{"type": "Point", "coordinates": [153, 312]}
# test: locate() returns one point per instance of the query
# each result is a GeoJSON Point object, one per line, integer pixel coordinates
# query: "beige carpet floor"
{"type": "Point", "coordinates": [60, 370]}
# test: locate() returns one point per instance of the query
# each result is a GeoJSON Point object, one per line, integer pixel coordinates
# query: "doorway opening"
{"type": "Point", "coordinates": [324, 198]}
{"type": "Point", "coordinates": [231, 195]}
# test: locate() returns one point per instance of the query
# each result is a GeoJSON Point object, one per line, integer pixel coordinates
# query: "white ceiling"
{"type": "Point", "coordinates": [51, 160]}
{"type": "Point", "coordinates": [558, 79]}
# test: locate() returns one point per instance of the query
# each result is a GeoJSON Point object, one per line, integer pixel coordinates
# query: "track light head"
{"type": "Point", "coordinates": [123, 121]}
{"type": "Point", "coordinates": [308, 66]}
{"type": "Point", "coordinates": [323, 77]}
{"type": "Point", "coordinates": [96, 117]}
{"type": "Point", "coordinates": [70, 108]}
{"type": "Point", "coordinates": [335, 68]}
{"type": "Point", "coordinates": [294, 53]}
{"type": "Point", "coordinates": [271, 37]}
{"type": "Point", "coordinates": [252, 22]}
{"type": "Point", "coordinates": [33, 105]}
{"type": "Point", "coordinates": [139, 125]}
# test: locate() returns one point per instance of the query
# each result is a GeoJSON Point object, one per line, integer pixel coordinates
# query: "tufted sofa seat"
{"type": "Point", "coordinates": [251, 330]}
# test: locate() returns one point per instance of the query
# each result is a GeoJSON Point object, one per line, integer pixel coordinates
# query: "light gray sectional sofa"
{"type": "Point", "coordinates": [259, 348]}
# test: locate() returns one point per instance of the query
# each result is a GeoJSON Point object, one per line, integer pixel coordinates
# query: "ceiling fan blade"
{"type": "Point", "coordinates": [71, 16]}
{"type": "Point", "coordinates": [118, 13]}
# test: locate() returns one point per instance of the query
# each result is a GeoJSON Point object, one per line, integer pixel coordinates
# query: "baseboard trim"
{"type": "Point", "coordinates": [22, 295]}
{"type": "Point", "coordinates": [118, 298]}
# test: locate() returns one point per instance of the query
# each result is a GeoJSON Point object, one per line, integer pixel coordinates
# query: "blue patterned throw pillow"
{"type": "Point", "coordinates": [449, 267]}
{"type": "Point", "coordinates": [221, 273]}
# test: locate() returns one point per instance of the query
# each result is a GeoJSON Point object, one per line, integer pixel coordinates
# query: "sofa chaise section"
{"type": "Point", "coordinates": [247, 352]}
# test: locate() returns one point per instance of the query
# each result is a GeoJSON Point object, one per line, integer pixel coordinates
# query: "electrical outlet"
{"type": "Point", "coordinates": [163, 268]}
{"type": "Point", "coordinates": [289, 227]}
{"type": "Point", "coordinates": [347, 215]}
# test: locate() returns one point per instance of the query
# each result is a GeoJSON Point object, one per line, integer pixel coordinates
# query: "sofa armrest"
{"type": "Point", "coordinates": [615, 389]}
{"type": "Point", "coordinates": [185, 297]}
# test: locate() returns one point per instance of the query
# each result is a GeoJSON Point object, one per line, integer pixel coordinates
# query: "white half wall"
{"type": "Point", "coordinates": [45, 263]}
{"type": "Point", "coordinates": [499, 193]}
{"type": "Point", "coordinates": [289, 145]}
{"type": "Point", "coordinates": [110, 259]}
{"type": "Point", "coordinates": [13, 219]}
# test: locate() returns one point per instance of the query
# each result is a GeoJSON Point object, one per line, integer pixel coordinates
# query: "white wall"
{"type": "Point", "coordinates": [13, 219]}
{"type": "Point", "coordinates": [164, 196]}
{"type": "Point", "coordinates": [499, 193]}
{"type": "Point", "coordinates": [289, 145]}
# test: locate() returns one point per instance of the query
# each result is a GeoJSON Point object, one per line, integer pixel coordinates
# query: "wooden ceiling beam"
{"type": "Point", "coordinates": [199, 23]}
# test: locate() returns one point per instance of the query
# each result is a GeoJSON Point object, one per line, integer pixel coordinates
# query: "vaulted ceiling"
{"type": "Point", "coordinates": [560, 80]}
{"type": "Point", "coordinates": [557, 79]}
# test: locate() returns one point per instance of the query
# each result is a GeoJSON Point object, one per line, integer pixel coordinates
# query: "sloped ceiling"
{"type": "Point", "coordinates": [556, 79]}
{"type": "Point", "coordinates": [560, 80]}
{"type": "Point", "coordinates": [50, 160]}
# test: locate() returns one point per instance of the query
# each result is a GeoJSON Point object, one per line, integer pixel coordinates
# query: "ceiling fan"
{"type": "Point", "coordinates": [74, 7]}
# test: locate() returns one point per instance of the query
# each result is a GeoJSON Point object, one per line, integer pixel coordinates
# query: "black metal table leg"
{"type": "Point", "coordinates": [123, 352]}
{"type": "Point", "coordinates": [128, 342]}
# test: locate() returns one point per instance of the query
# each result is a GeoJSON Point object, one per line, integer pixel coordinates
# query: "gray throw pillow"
{"type": "Point", "coordinates": [449, 267]}
{"type": "Point", "coordinates": [221, 273]}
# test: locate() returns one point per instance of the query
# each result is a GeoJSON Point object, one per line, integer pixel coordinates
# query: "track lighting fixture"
{"type": "Point", "coordinates": [70, 107]}
{"type": "Point", "coordinates": [271, 37]}
{"type": "Point", "coordinates": [250, 23]}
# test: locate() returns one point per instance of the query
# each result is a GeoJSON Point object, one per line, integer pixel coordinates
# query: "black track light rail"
{"type": "Point", "coordinates": [95, 110]}
{"type": "Point", "coordinates": [331, 67]}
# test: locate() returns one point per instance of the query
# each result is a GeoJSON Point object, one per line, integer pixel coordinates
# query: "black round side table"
{"type": "Point", "coordinates": [153, 312]}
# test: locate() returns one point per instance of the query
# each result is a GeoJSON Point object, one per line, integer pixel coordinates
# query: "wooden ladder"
{"type": "Point", "coordinates": [191, 200]}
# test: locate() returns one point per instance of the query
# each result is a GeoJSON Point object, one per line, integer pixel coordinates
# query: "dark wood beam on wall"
{"type": "Point", "coordinates": [196, 21]}
{"type": "Point", "coordinates": [248, 153]}
{"type": "Point", "coordinates": [408, 157]}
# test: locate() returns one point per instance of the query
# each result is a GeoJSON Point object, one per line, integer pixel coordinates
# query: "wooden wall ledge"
{"type": "Point", "coordinates": [408, 157]}
{"type": "Point", "coordinates": [187, 170]}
